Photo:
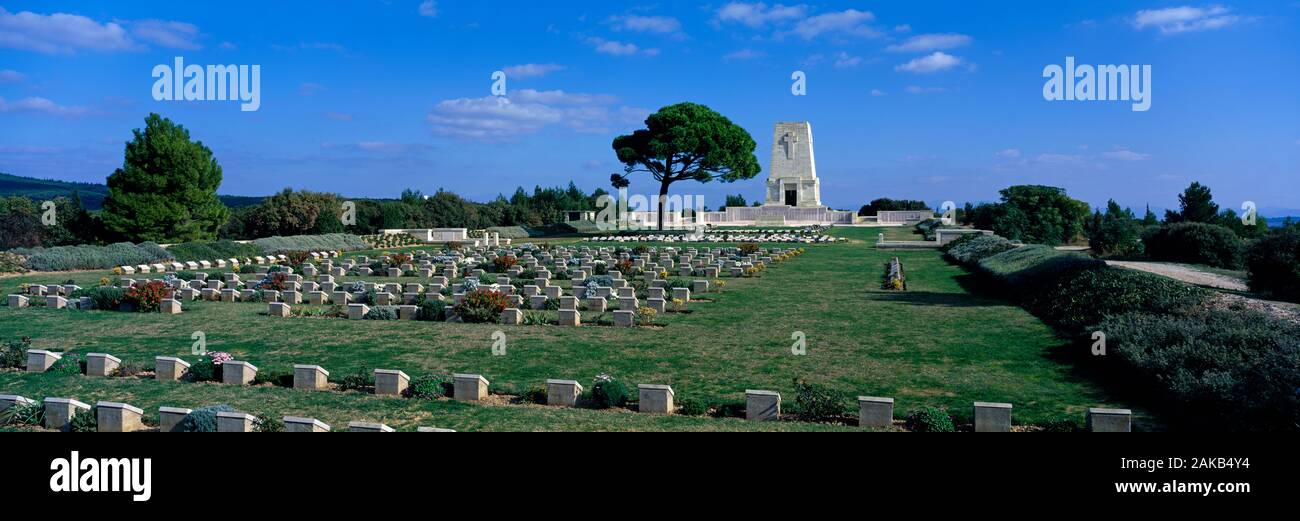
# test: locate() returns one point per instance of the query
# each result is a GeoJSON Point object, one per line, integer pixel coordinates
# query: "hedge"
{"type": "Point", "coordinates": [326, 242]}
{"type": "Point", "coordinates": [972, 248]}
{"type": "Point", "coordinates": [1273, 264]}
{"type": "Point", "coordinates": [201, 251]}
{"type": "Point", "coordinates": [1194, 243]}
{"type": "Point", "coordinates": [1227, 369]}
{"type": "Point", "coordinates": [88, 257]}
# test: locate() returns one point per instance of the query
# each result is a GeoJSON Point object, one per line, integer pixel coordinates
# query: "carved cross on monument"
{"type": "Point", "coordinates": [787, 140]}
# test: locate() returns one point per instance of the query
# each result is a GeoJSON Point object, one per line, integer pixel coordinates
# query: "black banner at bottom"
{"type": "Point", "coordinates": [400, 470]}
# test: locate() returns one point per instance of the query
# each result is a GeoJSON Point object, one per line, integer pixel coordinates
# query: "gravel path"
{"type": "Point", "coordinates": [1185, 274]}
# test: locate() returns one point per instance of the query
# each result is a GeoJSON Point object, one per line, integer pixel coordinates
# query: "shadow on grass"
{"type": "Point", "coordinates": [925, 298]}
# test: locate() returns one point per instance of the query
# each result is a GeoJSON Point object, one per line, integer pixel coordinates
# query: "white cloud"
{"type": "Point", "coordinates": [1174, 20]}
{"type": "Point", "coordinates": [379, 147]}
{"type": "Point", "coordinates": [41, 105]}
{"type": "Point", "coordinates": [63, 33]}
{"type": "Point", "coordinates": [616, 48]}
{"type": "Point", "coordinates": [931, 42]}
{"type": "Point", "coordinates": [1121, 154]}
{"type": "Point", "coordinates": [527, 111]}
{"type": "Point", "coordinates": [903, 28]}
{"type": "Point", "coordinates": [845, 61]}
{"type": "Point", "coordinates": [531, 70]}
{"type": "Point", "coordinates": [1058, 158]}
{"type": "Point", "coordinates": [429, 8]}
{"type": "Point", "coordinates": [1010, 153]}
{"type": "Point", "coordinates": [647, 24]}
{"type": "Point", "coordinates": [915, 89]}
{"type": "Point", "coordinates": [60, 33]}
{"type": "Point", "coordinates": [165, 33]}
{"type": "Point", "coordinates": [848, 22]}
{"type": "Point", "coordinates": [743, 54]}
{"type": "Point", "coordinates": [228, 46]}
{"type": "Point", "coordinates": [339, 116]}
{"type": "Point", "coordinates": [757, 15]}
{"type": "Point", "coordinates": [309, 89]}
{"type": "Point", "coordinates": [11, 76]}
{"type": "Point", "coordinates": [939, 61]}
{"type": "Point", "coordinates": [878, 93]}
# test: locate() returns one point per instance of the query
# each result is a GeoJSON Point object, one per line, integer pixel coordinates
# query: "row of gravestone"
{"type": "Point", "coordinates": [122, 417]}
{"type": "Point", "coordinates": [873, 412]}
{"type": "Point", "coordinates": [160, 267]}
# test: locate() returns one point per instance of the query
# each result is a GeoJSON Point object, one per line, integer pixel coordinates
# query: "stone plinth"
{"type": "Point", "coordinates": [470, 387]}
{"type": "Point", "coordinates": [875, 412]}
{"type": "Point", "coordinates": [762, 405]}
{"type": "Point", "coordinates": [169, 417]}
{"type": "Point", "coordinates": [237, 372]}
{"type": "Point", "coordinates": [118, 417]}
{"type": "Point", "coordinates": [101, 364]}
{"type": "Point", "coordinates": [59, 412]}
{"type": "Point", "coordinates": [992, 417]}
{"type": "Point", "coordinates": [296, 424]}
{"type": "Point", "coordinates": [391, 382]}
{"type": "Point", "coordinates": [310, 377]}
{"type": "Point", "coordinates": [655, 399]}
{"type": "Point", "coordinates": [169, 368]}
{"type": "Point", "coordinates": [1110, 420]}
{"type": "Point", "coordinates": [563, 393]}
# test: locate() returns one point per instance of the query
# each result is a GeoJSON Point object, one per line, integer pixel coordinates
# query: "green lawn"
{"type": "Point", "coordinates": [935, 344]}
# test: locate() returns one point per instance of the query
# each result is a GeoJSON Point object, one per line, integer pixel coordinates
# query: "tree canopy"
{"type": "Point", "coordinates": [166, 189]}
{"type": "Point", "coordinates": [683, 142]}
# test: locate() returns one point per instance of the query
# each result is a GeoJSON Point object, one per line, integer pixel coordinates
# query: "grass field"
{"type": "Point", "coordinates": [935, 344]}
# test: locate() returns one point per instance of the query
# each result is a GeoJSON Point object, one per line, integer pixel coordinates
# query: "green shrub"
{"type": "Point", "coordinates": [972, 248]}
{"type": "Point", "coordinates": [1032, 266]}
{"type": "Point", "coordinates": [430, 387]}
{"type": "Point", "coordinates": [362, 380]}
{"type": "Point", "coordinates": [210, 251]}
{"type": "Point", "coordinates": [930, 419]}
{"type": "Point", "coordinates": [1061, 426]}
{"type": "Point", "coordinates": [1079, 299]}
{"type": "Point", "coordinates": [326, 242]}
{"type": "Point", "coordinates": [203, 419]}
{"type": "Point", "coordinates": [14, 353]}
{"type": "Point", "coordinates": [90, 257]}
{"type": "Point", "coordinates": [534, 394]}
{"type": "Point", "coordinates": [430, 310]}
{"type": "Point", "coordinates": [729, 409]}
{"type": "Point", "coordinates": [276, 378]}
{"type": "Point", "coordinates": [818, 403]}
{"type": "Point", "coordinates": [608, 392]}
{"type": "Point", "coordinates": [32, 414]}
{"type": "Point", "coordinates": [107, 298]}
{"type": "Point", "coordinates": [268, 423]}
{"type": "Point", "coordinates": [1222, 369]}
{"type": "Point", "coordinates": [677, 282]}
{"type": "Point", "coordinates": [534, 318]}
{"type": "Point", "coordinates": [70, 364]}
{"type": "Point", "coordinates": [693, 408]}
{"type": "Point", "coordinates": [382, 313]}
{"type": "Point", "coordinates": [1273, 263]}
{"type": "Point", "coordinates": [1194, 243]}
{"type": "Point", "coordinates": [85, 421]}
{"type": "Point", "coordinates": [482, 306]}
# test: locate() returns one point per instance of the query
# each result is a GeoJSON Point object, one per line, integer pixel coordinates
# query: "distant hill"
{"type": "Point", "coordinates": [92, 194]}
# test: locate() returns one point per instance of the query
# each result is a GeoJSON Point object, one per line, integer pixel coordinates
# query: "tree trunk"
{"type": "Point", "coordinates": [663, 198]}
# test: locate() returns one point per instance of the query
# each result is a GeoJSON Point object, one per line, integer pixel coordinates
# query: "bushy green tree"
{"type": "Point", "coordinates": [1033, 214]}
{"type": "Point", "coordinates": [295, 213]}
{"type": "Point", "coordinates": [1117, 232]}
{"type": "Point", "coordinates": [687, 141]}
{"type": "Point", "coordinates": [886, 204]}
{"type": "Point", "coordinates": [166, 189]}
{"type": "Point", "coordinates": [1197, 206]}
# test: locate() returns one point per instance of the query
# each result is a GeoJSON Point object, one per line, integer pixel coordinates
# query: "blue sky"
{"type": "Point", "coordinates": [929, 100]}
